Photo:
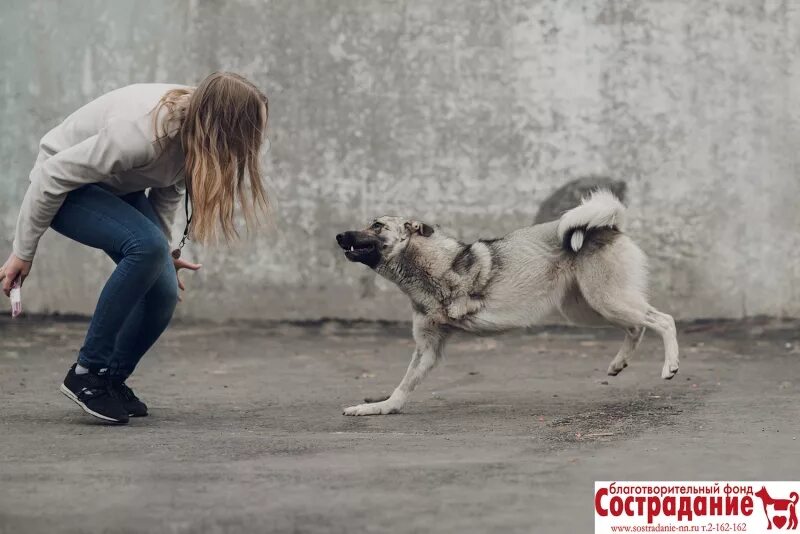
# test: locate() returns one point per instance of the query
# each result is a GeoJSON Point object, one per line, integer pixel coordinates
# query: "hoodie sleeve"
{"type": "Point", "coordinates": [118, 147]}
{"type": "Point", "coordinates": [165, 202]}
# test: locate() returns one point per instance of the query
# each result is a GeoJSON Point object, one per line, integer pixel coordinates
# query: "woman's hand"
{"type": "Point", "coordinates": [183, 264]}
{"type": "Point", "coordinates": [12, 269]}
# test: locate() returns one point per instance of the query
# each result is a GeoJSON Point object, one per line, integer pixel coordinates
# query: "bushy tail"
{"type": "Point", "coordinates": [600, 210]}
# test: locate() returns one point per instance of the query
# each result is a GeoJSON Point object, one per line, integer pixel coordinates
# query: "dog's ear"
{"type": "Point", "coordinates": [416, 227]}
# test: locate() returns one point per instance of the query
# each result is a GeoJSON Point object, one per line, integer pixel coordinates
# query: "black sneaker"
{"type": "Point", "coordinates": [130, 401]}
{"type": "Point", "coordinates": [93, 393]}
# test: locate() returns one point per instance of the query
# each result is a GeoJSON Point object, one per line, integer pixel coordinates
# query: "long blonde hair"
{"type": "Point", "coordinates": [221, 126]}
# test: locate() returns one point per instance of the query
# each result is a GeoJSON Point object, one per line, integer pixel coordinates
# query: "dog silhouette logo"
{"type": "Point", "coordinates": [783, 513]}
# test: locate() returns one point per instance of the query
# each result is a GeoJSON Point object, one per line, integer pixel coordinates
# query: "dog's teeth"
{"type": "Point", "coordinates": [351, 248]}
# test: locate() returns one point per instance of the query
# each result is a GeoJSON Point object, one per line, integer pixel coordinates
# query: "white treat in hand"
{"type": "Point", "coordinates": [16, 300]}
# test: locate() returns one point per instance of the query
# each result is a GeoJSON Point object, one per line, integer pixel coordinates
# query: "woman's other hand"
{"type": "Point", "coordinates": [183, 264]}
{"type": "Point", "coordinates": [13, 269]}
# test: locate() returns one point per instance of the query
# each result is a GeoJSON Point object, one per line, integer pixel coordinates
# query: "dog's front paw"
{"type": "Point", "coordinates": [669, 370]}
{"type": "Point", "coordinates": [461, 307]}
{"type": "Point", "coordinates": [375, 408]}
{"type": "Point", "coordinates": [616, 367]}
{"type": "Point", "coordinates": [457, 310]}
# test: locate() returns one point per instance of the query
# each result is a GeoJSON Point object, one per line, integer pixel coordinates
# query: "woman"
{"type": "Point", "coordinates": [89, 184]}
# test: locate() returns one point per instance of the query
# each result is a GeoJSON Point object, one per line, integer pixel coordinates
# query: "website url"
{"type": "Point", "coordinates": [709, 527]}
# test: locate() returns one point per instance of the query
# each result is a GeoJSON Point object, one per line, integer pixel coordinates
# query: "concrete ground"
{"type": "Point", "coordinates": [246, 432]}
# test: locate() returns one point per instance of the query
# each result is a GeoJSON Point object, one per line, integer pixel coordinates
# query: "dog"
{"type": "Point", "coordinates": [582, 266]}
{"type": "Point", "coordinates": [789, 506]}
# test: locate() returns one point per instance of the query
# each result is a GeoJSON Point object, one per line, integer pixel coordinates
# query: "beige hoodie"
{"type": "Point", "coordinates": [109, 142]}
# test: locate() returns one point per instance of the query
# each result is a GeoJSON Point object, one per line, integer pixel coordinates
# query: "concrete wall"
{"type": "Point", "coordinates": [465, 113]}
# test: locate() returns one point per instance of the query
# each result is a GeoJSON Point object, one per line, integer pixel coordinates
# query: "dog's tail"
{"type": "Point", "coordinates": [601, 209]}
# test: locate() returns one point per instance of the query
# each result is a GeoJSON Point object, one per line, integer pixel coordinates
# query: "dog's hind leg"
{"type": "Point", "coordinates": [665, 325]}
{"type": "Point", "coordinates": [430, 339]}
{"type": "Point", "coordinates": [612, 278]}
{"type": "Point", "coordinates": [628, 313]}
{"type": "Point", "coordinates": [633, 336]}
{"type": "Point", "coordinates": [575, 308]}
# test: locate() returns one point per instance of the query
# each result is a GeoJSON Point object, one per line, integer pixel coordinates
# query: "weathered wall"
{"type": "Point", "coordinates": [466, 113]}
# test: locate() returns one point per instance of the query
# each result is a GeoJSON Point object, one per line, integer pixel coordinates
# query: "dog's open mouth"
{"type": "Point", "coordinates": [360, 247]}
{"type": "Point", "coordinates": [356, 252]}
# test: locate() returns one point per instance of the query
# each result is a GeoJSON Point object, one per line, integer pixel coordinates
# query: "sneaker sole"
{"type": "Point", "coordinates": [67, 393]}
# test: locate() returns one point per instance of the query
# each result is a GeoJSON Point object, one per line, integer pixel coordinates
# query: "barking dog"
{"type": "Point", "coordinates": [582, 265]}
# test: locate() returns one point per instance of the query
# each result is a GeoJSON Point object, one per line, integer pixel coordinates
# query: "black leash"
{"type": "Point", "coordinates": [176, 254]}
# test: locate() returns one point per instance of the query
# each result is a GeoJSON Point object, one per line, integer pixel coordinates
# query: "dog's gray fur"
{"type": "Point", "coordinates": [582, 266]}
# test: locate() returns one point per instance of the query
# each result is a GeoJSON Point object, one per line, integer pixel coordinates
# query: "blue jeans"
{"type": "Point", "coordinates": [139, 298]}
